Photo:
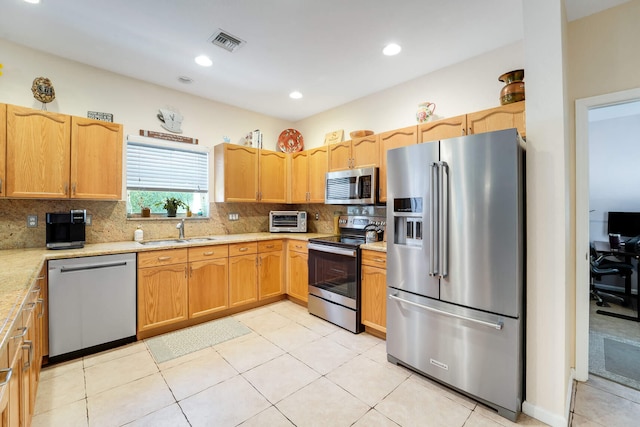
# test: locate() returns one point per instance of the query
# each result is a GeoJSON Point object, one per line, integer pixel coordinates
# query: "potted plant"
{"type": "Point", "coordinates": [171, 204]}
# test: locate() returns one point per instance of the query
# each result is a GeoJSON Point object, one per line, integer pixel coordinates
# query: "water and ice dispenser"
{"type": "Point", "coordinates": [408, 221]}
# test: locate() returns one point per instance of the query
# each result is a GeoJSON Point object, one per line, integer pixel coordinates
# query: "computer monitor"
{"type": "Point", "coordinates": [626, 224]}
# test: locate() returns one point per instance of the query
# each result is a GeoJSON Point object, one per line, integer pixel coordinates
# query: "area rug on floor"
{"type": "Point", "coordinates": [175, 344]}
{"type": "Point", "coordinates": [615, 358]}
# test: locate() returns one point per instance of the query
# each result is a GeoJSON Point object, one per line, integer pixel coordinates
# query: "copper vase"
{"type": "Point", "coordinates": [513, 91]}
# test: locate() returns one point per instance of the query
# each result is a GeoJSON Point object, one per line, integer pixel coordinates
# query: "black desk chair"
{"type": "Point", "coordinates": [602, 266]}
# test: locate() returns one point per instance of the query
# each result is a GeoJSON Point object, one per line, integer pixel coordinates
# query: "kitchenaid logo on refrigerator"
{"type": "Point", "coordinates": [439, 364]}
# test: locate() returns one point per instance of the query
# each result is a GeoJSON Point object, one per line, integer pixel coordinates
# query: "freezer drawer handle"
{"type": "Point", "coordinates": [91, 267]}
{"type": "Point", "coordinates": [497, 325]}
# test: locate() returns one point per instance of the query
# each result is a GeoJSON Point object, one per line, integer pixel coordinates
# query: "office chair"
{"type": "Point", "coordinates": [601, 266]}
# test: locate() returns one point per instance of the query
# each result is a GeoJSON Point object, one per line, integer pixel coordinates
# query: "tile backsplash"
{"type": "Point", "coordinates": [110, 223]}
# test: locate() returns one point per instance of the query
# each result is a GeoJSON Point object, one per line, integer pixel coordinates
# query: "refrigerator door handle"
{"type": "Point", "coordinates": [443, 249]}
{"type": "Point", "coordinates": [433, 211]}
{"type": "Point", "coordinates": [496, 325]}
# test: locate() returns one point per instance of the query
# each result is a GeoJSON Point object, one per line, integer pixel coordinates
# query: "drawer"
{"type": "Point", "coordinates": [165, 257]}
{"type": "Point", "coordinates": [203, 253]}
{"type": "Point", "coordinates": [236, 249]}
{"type": "Point", "coordinates": [297, 246]}
{"type": "Point", "coordinates": [270, 246]}
{"type": "Point", "coordinates": [374, 259]}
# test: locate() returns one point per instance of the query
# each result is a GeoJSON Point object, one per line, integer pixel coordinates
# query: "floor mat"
{"type": "Point", "coordinates": [175, 344]}
{"type": "Point", "coordinates": [614, 358]}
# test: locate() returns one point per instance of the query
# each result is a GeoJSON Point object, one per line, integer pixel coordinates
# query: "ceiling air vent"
{"type": "Point", "coordinates": [226, 41]}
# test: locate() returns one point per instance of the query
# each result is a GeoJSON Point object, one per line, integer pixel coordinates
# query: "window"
{"type": "Point", "coordinates": [160, 169]}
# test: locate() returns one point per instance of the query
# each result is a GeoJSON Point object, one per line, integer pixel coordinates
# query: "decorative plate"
{"type": "Point", "coordinates": [290, 141]}
{"type": "Point", "coordinates": [42, 89]}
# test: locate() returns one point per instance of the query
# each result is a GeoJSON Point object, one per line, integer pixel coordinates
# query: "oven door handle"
{"type": "Point", "coordinates": [332, 250]}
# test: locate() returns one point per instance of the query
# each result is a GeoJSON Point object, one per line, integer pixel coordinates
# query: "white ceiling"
{"type": "Point", "coordinates": [330, 50]}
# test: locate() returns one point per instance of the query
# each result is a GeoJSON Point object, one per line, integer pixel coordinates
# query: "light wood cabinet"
{"type": "Point", "coordinates": [55, 156]}
{"type": "Point", "coordinates": [162, 288]}
{"type": "Point", "coordinates": [3, 149]}
{"type": "Point", "coordinates": [208, 279]}
{"type": "Point", "coordinates": [374, 290]}
{"type": "Point", "coordinates": [442, 129]}
{"type": "Point", "coordinates": [96, 159]}
{"type": "Point", "coordinates": [307, 178]}
{"type": "Point", "coordinates": [243, 273]}
{"type": "Point", "coordinates": [272, 167]}
{"type": "Point", "coordinates": [298, 270]}
{"type": "Point", "coordinates": [390, 140]}
{"type": "Point", "coordinates": [270, 269]}
{"type": "Point", "coordinates": [357, 153]}
{"type": "Point", "coordinates": [499, 118]}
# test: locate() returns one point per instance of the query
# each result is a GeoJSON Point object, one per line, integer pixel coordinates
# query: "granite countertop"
{"type": "Point", "coordinates": [20, 267]}
{"type": "Point", "coordinates": [376, 246]}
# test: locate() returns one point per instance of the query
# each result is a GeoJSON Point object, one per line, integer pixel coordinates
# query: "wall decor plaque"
{"type": "Point", "coordinates": [168, 136]}
{"type": "Point", "coordinates": [333, 137]}
{"type": "Point", "coordinates": [103, 117]}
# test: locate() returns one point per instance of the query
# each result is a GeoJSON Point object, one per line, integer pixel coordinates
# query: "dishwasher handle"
{"type": "Point", "coordinates": [92, 267]}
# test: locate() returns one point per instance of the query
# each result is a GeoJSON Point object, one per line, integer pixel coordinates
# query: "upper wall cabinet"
{"type": "Point", "coordinates": [272, 167]}
{"type": "Point", "coordinates": [357, 153]}
{"type": "Point", "coordinates": [3, 148]}
{"type": "Point", "coordinates": [499, 118]}
{"type": "Point", "coordinates": [55, 156]}
{"type": "Point", "coordinates": [390, 140]}
{"type": "Point", "coordinates": [308, 172]}
{"type": "Point", "coordinates": [442, 129]}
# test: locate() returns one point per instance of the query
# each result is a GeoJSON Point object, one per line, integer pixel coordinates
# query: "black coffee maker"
{"type": "Point", "coordinates": [66, 230]}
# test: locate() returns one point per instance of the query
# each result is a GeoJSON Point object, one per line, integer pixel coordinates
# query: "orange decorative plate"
{"type": "Point", "coordinates": [290, 141]}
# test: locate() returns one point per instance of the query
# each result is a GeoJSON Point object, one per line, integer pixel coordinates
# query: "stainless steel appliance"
{"type": "Point", "coordinates": [352, 187]}
{"type": "Point", "coordinates": [455, 264]}
{"type": "Point", "coordinates": [92, 304]}
{"type": "Point", "coordinates": [288, 221]}
{"type": "Point", "coordinates": [334, 272]}
{"type": "Point", "coordinates": [66, 229]}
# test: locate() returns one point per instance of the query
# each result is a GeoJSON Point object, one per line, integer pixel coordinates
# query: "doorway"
{"type": "Point", "coordinates": [586, 110]}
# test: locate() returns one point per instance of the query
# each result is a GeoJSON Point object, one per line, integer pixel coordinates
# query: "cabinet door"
{"type": "Point", "coordinates": [365, 152]}
{"type": "Point", "coordinates": [340, 156]}
{"type": "Point", "coordinates": [243, 280]}
{"type": "Point", "coordinates": [96, 159]}
{"type": "Point", "coordinates": [38, 153]}
{"type": "Point", "coordinates": [318, 167]}
{"type": "Point", "coordinates": [3, 149]}
{"type": "Point", "coordinates": [299, 177]}
{"type": "Point", "coordinates": [442, 129]}
{"type": "Point", "coordinates": [374, 298]}
{"type": "Point", "coordinates": [499, 118]}
{"type": "Point", "coordinates": [389, 140]}
{"type": "Point", "coordinates": [237, 174]}
{"type": "Point", "coordinates": [208, 286]}
{"type": "Point", "coordinates": [162, 296]}
{"type": "Point", "coordinates": [273, 174]}
{"type": "Point", "coordinates": [298, 276]}
{"type": "Point", "coordinates": [270, 279]}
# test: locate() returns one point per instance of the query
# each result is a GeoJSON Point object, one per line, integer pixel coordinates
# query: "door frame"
{"type": "Point", "coordinates": [583, 106]}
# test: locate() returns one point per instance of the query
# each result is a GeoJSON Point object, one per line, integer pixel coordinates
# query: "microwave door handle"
{"type": "Point", "coordinates": [444, 219]}
{"type": "Point", "coordinates": [433, 209]}
{"type": "Point", "coordinates": [357, 187]}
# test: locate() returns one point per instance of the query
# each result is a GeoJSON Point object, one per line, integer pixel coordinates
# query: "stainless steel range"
{"type": "Point", "coordinates": [334, 270]}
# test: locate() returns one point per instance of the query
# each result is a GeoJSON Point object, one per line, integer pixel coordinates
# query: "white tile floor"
{"type": "Point", "coordinates": [292, 369]}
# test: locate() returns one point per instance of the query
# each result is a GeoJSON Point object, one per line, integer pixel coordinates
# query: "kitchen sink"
{"type": "Point", "coordinates": [176, 241]}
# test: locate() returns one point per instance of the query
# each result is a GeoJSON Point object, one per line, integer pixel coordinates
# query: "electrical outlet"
{"type": "Point", "coordinates": [234, 216]}
{"type": "Point", "coordinates": [32, 221]}
{"type": "Point", "coordinates": [317, 216]}
{"type": "Point", "coordinates": [89, 220]}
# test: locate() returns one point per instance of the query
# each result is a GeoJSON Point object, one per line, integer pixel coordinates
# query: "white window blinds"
{"type": "Point", "coordinates": [166, 168]}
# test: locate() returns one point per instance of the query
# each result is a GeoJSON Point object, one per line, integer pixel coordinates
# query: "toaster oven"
{"type": "Point", "coordinates": [288, 222]}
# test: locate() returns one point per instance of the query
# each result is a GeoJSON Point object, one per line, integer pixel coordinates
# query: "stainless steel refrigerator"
{"type": "Point", "coordinates": [455, 264]}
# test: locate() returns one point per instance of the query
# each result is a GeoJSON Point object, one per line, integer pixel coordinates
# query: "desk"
{"type": "Point", "coordinates": [605, 248]}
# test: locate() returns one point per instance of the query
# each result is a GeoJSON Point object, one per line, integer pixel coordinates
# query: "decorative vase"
{"type": "Point", "coordinates": [513, 91]}
{"type": "Point", "coordinates": [145, 212]}
{"type": "Point", "coordinates": [171, 212]}
{"type": "Point", "coordinates": [425, 111]}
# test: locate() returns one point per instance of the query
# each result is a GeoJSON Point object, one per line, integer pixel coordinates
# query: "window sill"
{"type": "Point", "coordinates": [160, 217]}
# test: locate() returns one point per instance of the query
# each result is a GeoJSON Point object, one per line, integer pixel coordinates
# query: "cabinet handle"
{"type": "Point", "coordinates": [35, 290]}
{"type": "Point", "coordinates": [257, 196]}
{"type": "Point", "coordinates": [0, 185]}
{"type": "Point", "coordinates": [41, 302]}
{"type": "Point", "coordinates": [66, 189]}
{"type": "Point", "coordinates": [186, 272]}
{"type": "Point", "coordinates": [164, 258]}
{"type": "Point", "coordinates": [29, 306]}
{"type": "Point", "coordinates": [243, 249]}
{"type": "Point", "coordinates": [7, 376]}
{"type": "Point", "coordinates": [209, 253]}
{"type": "Point", "coordinates": [269, 246]}
{"type": "Point", "coordinates": [298, 247]}
{"type": "Point", "coordinates": [21, 334]}
{"type": "Point", "coordinates": [28, 345]}
{"type": "Point", "coordinates": [191, 271]}
{"type": "Point", "coordinates": [378, 260]}
{"type": "Point", "coordinates": [73, 189]}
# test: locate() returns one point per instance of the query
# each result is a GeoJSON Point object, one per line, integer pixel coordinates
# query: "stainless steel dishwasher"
{"type": "Point", "coordinates": [92, 304]}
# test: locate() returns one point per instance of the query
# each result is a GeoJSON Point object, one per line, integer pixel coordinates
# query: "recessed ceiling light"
{"type": "Point", "coordinates": [185, 79]}
{"type": "Point", "coordinates": [204, 60]}
{"type": "Point", "coordinates": [32, 1]}
{"type": "Point", "coordinates": [391, 49]}
{"type": "Point", "coordinates": [295, 95]}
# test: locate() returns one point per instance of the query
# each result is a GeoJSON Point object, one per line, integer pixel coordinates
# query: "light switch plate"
{"type": "Point", "coordinates": [234, 216]}
{"type": "Point", "coordinates": [32, 221]}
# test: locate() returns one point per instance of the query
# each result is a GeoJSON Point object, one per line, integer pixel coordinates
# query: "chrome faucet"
{"type": "Point", "coordinates": [180, 228]}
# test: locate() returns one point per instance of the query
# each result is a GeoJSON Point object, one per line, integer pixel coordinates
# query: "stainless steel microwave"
{"type": "Point", "coordinates": [288, 222]}
{"type": "Point", "coordinates": [352, 187]}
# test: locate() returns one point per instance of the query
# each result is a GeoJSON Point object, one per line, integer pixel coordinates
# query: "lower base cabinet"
{"type": "Point", "coordinates": [270, 269]}
{"type": "Point", "coordinates": [243, 274]}
{"type": "Point", "coordinates": [298, 270]}
{"type": "Point", "coordinates": [374, 290]}
{"type": "Point", "coordinates": [208, 280]}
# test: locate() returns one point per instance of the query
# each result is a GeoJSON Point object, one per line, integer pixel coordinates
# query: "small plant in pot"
{"type": "Point", "coordinates": [171, 204]}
